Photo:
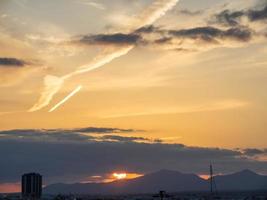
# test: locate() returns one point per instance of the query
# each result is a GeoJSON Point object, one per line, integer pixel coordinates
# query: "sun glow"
{"type": "Point", "coordinates": [120, 176]}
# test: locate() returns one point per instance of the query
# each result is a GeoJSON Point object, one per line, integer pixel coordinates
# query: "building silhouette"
{"type": "Point", "coordinates": [31, 186]}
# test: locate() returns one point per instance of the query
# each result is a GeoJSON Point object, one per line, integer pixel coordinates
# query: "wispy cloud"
{"type": "Point", "coordinates": [225, 29]}
{"type": "Point", "coordinates": [21, 3]}
{"type": "Point", "coordinates": [147, 17]}
{"type": "Point", "coordinates": [52, 86]}
{"type": "Point", "coordinates": [92, 4]}
{"type": "Point", "coordinates": [10, 112]}
{"type": "Point", "coordinates": [215, 106]}
{"type": "Point", "coordinates": [4, 16]}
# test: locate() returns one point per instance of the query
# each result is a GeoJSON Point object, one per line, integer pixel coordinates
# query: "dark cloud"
{"type": "Point", "coordinates": [73, 160]}
{"type": "Point", "coordinates": [205, 34]}
{"type": "Point", "coordinates": [104, 130]}
{"type": "Point", "coordinates": [111, 39]}
{"type": "Point", "coordinates": [65, 135]}
{"type": "Point", "coordinates": [12, 62]}
{"type": "Point", "coordinates": [232, 18]}
{"type": "Point", "coordinates": [210, 34]}
{"type": "Point", "coordinates": [148, 29]}
{"type": "Point", "coordinates": [190, 40]}
{"type": "Point", "coordinates": [254, 152]}
{"type": "Point", "coordinates": [190, 12]}
{"type": "Point", "coordinates": [229, 18]}
{"type": "Point", "coordinates": [52, 135]}
{"type": "Point", "coordinates": [258, 15]}
{"type": "Point", "coordinates": [124, 139]}
{"type": "Point", "coordinates": [163, 40]}
{"type": "Point", "coordinates": [161, 36]}
{"type": "Point", "coordinates": [133, 38]}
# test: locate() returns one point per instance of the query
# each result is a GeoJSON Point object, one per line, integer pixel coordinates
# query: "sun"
{"type": "Point", "coordinates": [120, 176]}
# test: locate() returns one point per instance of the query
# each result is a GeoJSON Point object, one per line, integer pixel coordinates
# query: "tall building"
{"type": "Point", "coordinates": [31, 186]}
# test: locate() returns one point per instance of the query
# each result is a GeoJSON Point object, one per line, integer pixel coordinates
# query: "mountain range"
{"type": "Point", "coordinates": [171, 181]}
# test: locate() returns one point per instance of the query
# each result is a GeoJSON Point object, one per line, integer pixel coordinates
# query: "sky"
{"type": "Point", "coordinates": [93, 87]}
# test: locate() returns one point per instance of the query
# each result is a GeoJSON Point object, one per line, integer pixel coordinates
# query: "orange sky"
{"type": "Point", "coordinates": [173, 72]}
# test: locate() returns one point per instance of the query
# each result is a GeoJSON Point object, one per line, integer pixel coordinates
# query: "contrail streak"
{"type": "Point", "coordinates": [66, 98]}
{"type": "Point", "coordinates": [155, 11]}
{"type": "Point", "coordinates": [53, 84]}
{"type": "Point", "coordinates": [106, 57]}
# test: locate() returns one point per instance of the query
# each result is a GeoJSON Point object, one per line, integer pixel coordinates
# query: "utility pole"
{"type": "Point", "coordinates": [211, 179]}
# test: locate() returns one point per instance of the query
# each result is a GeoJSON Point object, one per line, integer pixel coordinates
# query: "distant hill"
{"type": "Point", "coordinates": [244, 180]}
{"type": "Point", "coordinates": [171, 181]}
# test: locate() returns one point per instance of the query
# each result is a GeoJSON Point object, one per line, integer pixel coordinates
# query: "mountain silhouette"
{"type": "Point", "coordinates": [171, 181]}
{"type": "Point", "coordinates": [243, 180]}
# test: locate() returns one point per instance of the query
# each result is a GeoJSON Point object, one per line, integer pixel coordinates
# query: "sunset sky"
{"type": "Point", "coordinates": [171, 83]}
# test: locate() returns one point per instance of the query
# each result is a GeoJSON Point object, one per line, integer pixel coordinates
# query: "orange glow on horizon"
{"type": "Point", "coordinates": [9, 187]}
{"type": "Point", "coordinates": [110, 177]}
{"type": "Point", "coordinates": [204, 176]}
{"type": "Point", "coordinates": [119, 176]}
{"type": "Point", "coordinates": [124, 175]}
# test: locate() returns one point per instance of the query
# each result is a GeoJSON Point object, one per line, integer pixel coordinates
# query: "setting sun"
{"type": "Point", "coordinates": [119, 175]}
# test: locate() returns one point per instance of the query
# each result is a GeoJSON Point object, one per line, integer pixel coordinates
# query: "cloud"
{"type": "Point", "coordinates": [173, 39]}
{"type": "Point", "coordinates": [148, 29]}
{"type": "Point", "coordinates": [213, 106]}
{"type": "Point", "coordinates": [14, 70]}
{"type": "Point", "coordinates": [104, 130]}
{"type": "Point", "coordinates": [155, 11]}
{"type": "Point", "coordinates": [111, 39]}
{"type": "Point", "coordinates": [12, 62]}
{"type": "Point", "coordinates": [180, 40]}
{"type": "Point", "coordinates": [229, 18]}
{"type": "Point", "coordinates": [233, 17]}
{"type": "Point", "coordinates": [233, 32]}
{"type": "Point", "coordinates": [74, 161]}
{"type": "Point", "coordinates": [52, 135]}
{"type": "Point", "coordinates": [163, 40]}
{"type": "Point", "coordinates": [258, 15]}
{"type": "Point", "coordinates": [190, 12]}
{"type": "Point", "coordinates": [92, 4]}
{"type": "Point", "coordinates": [52, 85]}
{"type": "Point", "coordinates": [254, 152]}
{"type": "Point", "coordinates": [70, 135]}
{"type": "Point", "coordinates": [211, 34]}
{"type": "Point", "coordinates": [67, 136]}
{"type": "Point", "coordinates": [119, 138]}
